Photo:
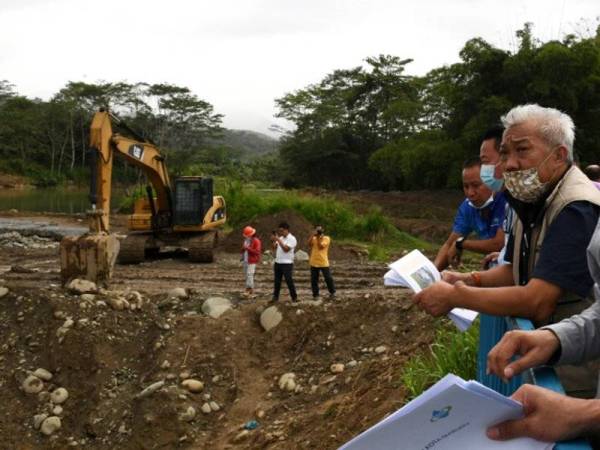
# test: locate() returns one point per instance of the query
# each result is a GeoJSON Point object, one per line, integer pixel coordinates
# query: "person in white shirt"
{"type": "Point", "coordinates": [284, 244]}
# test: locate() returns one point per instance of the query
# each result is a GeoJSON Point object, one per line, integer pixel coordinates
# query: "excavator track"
{"type": "Point", "coordinates": [201, 248]}
{"type": "Point", "coordinates": [132, 249]}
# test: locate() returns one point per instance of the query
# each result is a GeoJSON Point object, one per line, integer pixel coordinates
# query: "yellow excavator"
{"type": "Point", "coordinates": [184, 214]}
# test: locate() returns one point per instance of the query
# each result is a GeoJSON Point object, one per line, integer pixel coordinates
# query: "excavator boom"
{"type": "Point", "coordinates": [104, 143]}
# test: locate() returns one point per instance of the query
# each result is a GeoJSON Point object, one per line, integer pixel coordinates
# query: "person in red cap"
{"type": "Point", "coordinates": [251, 250]}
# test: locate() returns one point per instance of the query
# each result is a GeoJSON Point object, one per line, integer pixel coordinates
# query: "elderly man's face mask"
{"type": "Point", "coordinates": [525, 185]}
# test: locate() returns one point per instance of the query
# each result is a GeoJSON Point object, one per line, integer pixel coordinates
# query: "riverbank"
{"type": "Point", "coordinates": [8, 181]}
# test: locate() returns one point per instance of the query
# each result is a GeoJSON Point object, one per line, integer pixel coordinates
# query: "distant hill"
{"type": "Point", "coordinates": [251, 143]}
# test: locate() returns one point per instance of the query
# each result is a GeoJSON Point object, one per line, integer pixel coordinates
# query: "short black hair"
{"type": "Point", "coordinates": [494, 133]}
{"type": "Point", "coordinates": [472, 162]}
{"type": "Point", "coordinates": [593, 172]}
{"type": "Point", "coordinates": [284, 225]}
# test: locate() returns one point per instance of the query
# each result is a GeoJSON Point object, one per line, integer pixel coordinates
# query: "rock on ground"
{"type": "Point", "coordinates": [270, 318]}
{"type": "Point", "coordinates": [42, 374]}
{"type": "Point", "coordinates": [287, 382]}
{"type": "Point", "coordinates": [193, 385]}
{"type": "Point", "coordinates": [301, 255]}
{"type": "Point", "coordinates": [178, 293]}
{"type": "Point", "coordinates": [215, 307]}
{"type": "Point", "coordinates": [337, 368]}
{"type": "Point", "coordinates": [59, 395]}
{"type": "Point", "coordinates": [151, 389]}
{"type": "Point", "coordinates": [50, 425]}
{"type": "Point", "coordinates": [80, 286]}
{"type": "Point", "coordinates": [38, 419]}
{"type": "Point", "coordinates": [32, 385]}
{"type": "Point", "coordinates": [188, 415]}
{"type": "Point", "coordinates": [205, 408]}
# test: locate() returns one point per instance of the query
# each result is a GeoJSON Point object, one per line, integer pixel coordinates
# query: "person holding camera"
{"type": "Point", "coordinates": [283, 243]}
{"type": "Point", "coordinates": [318, 244]}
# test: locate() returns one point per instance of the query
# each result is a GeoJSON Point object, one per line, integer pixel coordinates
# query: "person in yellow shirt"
{"type": "Point", "coordinates": [319, 262]}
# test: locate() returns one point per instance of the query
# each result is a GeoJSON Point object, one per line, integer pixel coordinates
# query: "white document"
{"type": "Point", "coordinates": [416, 271]}
{"type": "Point", "coordinates": [462, 318]}
{"type": "Point", "coordinates": [452, 414]}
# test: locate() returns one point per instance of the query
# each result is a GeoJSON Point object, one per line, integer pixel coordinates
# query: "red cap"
{"type": "Point", "coordinates": [248, 231]}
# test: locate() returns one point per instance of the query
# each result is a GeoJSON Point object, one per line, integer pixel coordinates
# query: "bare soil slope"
{"type": "Point", "coordinates": [105, 357]}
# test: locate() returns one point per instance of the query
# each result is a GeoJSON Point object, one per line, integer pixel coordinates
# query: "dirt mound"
{"type": "Point", "coordinates": [301, 228]}
{"type": "Point", "coordinates": [107, 357]}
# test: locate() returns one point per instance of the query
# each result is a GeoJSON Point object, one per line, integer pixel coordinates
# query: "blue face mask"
{"type": "Point", "coordinates": [486, 172]}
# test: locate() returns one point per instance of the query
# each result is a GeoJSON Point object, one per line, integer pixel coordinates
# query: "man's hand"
{"type": "Point", "coordinates": [490, 258]}
{"type": "Point", "coordinates": [452, 277]}
{"type": "Point", "coordinates": [549, 416]}
{"type": "Point", "coordinates": [435, 299]}
{"type": "Point", "coordinates": [535, 347]}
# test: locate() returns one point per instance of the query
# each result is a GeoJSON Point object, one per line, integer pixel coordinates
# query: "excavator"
{"type": "Point", "coordinates": [184, 214]}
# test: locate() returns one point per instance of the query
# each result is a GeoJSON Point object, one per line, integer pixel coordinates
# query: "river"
{"type": "Point", "coordinates": [57, 200]}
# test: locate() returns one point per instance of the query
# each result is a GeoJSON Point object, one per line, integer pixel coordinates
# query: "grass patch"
{"type": "Point", "coordinates": [451, 352]}
{"type": "Point", "coordinates": [371, 229]}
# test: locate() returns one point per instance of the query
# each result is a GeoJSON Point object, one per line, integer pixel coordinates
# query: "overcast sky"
{"type": "Point", "coordinates": [241, 55]}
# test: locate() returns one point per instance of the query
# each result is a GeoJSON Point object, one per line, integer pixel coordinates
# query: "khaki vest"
{"type": "Point", "coordinates": [574, 186]}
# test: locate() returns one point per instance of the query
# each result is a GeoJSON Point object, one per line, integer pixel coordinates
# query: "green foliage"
{"type": "Point", "coordinates": [131, 195]}
{"type": "Point", "coordinates": [372, 228]}
{"type": "Point", "coordinates": [375, 127]}
{"type": "Point", "coordinates": [54, 135]}
{"type": "Point", "coordinates": [451, 352]}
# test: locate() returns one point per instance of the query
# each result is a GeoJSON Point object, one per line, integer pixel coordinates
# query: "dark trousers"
{"type": "Point", "coordinates": [284, 271]}
{"type": "Point", "coordinates": [314, 280]}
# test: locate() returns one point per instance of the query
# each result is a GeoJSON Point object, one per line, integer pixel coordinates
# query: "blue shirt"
{"type": "Point", "coordinates": [483, 222]}
{"type": "Point", "coordinates": [562, 258]}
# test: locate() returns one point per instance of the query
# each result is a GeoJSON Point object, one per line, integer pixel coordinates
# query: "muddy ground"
{"type": "Point", "coordinates": [105, 357]}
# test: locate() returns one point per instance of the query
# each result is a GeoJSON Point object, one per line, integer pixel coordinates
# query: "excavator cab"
{"type": "Point", "coordinates": [193, 199]}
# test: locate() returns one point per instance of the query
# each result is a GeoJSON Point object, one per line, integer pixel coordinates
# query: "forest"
{"type": "Point", "coordinates": [366, 127]}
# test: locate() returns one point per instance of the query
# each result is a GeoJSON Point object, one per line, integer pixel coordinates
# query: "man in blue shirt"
{"type": "Point", "coordinates": [481, 213]}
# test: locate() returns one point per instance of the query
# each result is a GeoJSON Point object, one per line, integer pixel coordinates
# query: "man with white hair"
{"type": "Point", "coordinates": [557, 210]}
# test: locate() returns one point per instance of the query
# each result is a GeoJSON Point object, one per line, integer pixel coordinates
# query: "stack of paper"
{"type": "Point", "coordinates": [452, 414]}
{"type": "Point", "coordinates": [416, 272]}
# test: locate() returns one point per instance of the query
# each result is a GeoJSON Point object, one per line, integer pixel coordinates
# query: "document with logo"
{"type": "Point", "coordinates": [416, 272]}
{"type": "Point", "coordinates": [452, 414]}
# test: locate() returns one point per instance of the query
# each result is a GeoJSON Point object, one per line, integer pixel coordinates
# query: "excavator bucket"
{"type": "Point", "coordinates": [90, 256]}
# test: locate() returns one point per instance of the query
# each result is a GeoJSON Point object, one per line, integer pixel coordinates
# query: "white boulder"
{"type": "Point", "coordinates": [215, 307]}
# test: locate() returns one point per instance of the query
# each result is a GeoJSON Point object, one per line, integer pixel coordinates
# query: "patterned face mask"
{"type": "Point", "coordinates": [525, 185]}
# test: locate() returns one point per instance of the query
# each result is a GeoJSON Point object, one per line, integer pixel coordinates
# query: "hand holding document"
{"type": "Point", "coordinates": [416, 272]}
{"type": "Point", "coordinates": [452, 414]}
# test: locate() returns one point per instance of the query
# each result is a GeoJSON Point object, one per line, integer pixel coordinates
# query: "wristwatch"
{"type": "Point", "coordinates": [459, 243]}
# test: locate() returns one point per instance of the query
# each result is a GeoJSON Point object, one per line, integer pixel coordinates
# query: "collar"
{"type": "Point", "coordinates": [487, 203]}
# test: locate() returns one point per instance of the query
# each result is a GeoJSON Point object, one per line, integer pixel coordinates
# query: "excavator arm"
{"type": "Point", "coordinates": [104, 144]}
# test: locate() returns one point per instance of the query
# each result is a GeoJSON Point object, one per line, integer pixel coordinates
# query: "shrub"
{"type": "Point", "coordinates": [451, 352]}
